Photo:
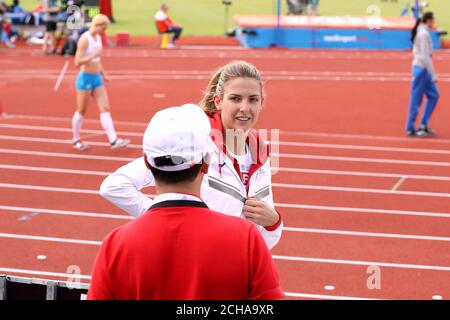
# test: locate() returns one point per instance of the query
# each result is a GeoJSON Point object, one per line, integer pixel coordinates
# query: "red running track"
{"type": "Point", "coordinates": [354, 191]}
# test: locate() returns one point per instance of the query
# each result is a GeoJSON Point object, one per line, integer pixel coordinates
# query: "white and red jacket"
{"type": "Point", "coordinates": [163, 21]}
{"type": "Point", "coordinates": [222, 188]}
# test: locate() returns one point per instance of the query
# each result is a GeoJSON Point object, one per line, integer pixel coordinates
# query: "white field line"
{"type": "Point", "coordinates": [281, 205]}
{"type": "Point", "coordinates": [361, 190]}
{"type": "Point", "coordinates": [204, 78]}
{"type": "Point", "coordinates": [365, 148]}
{"type": "Point", "coordinates": [283, 132]}
{"type": "Point", "coordinates": [275, 185]}
{"type": "Point", "coordinates": [10, 271]}
{"type": "Point", "coordinates": [138, 146]}
{"type": "Point", "coordinates": [65, 155]}
{"type": "Point", "coordinates": [361, 136]}
{"type": "Point", "coordinates": [282, 143]}
{"type": "Point", "coordinates": [68, 213]}
{"type": "Point", "coordinates": [322, 297]}
{"type": "Point", "coordinates": [61, 76]}
{"type": "Point", "coordinates": [399, 183]}
{"type": "Point", "coordinates": [367, 234]}
{"type": "Point", "coordinates": [49, 239]}
{"type": "Point", "coordinates": [233, 51]}
{"type": "Point", "coordinates": [361, 263]}
{"type": "Point", "coordinates": [362, 210]}
{"type": "Point", "coordinates": [296, 170]}
{"type": "Point", "coordinates": [289, 229]}
{"type": "Point", "coordinates": [276, 257]}
{"type": "Point", "coordinates": [68, 130]}
{"type": "Point", "coordinates": [365, 174]}
{"type": "Point", "coordinates": [357, 159]}
{"type": "Point", "coordinates": [281, 155]}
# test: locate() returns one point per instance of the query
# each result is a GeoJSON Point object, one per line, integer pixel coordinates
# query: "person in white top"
{"type": "Point", "coordinates": [424, 77]}
{"type": "Point", "coordinates": [239, 180]}
{"type": "Point", "coordinates": [166, 25]}
{"type": "Point", "coordinates": [90, 83]}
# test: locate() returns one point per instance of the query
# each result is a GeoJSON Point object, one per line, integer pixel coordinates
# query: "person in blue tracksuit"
{"type": "Point", "coordinates": [424, 77]}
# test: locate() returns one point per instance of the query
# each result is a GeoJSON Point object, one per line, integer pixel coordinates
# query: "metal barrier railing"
{"type": "Point", "coordinates": [20, 288]}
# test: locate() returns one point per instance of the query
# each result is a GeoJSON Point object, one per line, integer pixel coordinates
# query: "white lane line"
{"type": "Point", "coordinates": [365, 174]}
{"type": "Point", "coordinates": [65, 155]}
{"type": "Point", "coordinates": [280, 205]}
{"type": "Point", "coordinates": [296, 170]}
{"type": "Point", "coordinates": [11, 271]}
{"type": "Point", "coordinates": [61, 76]}
{"type": "Point", "coordinates": [288, 229]}
{"type": "Point", "coordinates": [313, 157]}
{"type": "Point", "coordinates": [66, 119]}
{"type": "Point", "coordinates": [56, 170]}
{"type": "Point", "coordinates": [276, 257]}
{"type": "Point", "coordinates": [279, 185]}
{"type": "Point", "coordinates": [283, 143]}
{"type": "Point", "coordinates": [49, 239]}
{"type": "Point", "coordinates": [398, 184]}
{"type": "Point", "coordinates": [283, 132]}
{"type": "Point", "coordinates": [51, 189]}
{"type": "Point", "coordinates": [367, 234]}
{"type": "Point", "coordinates": [363, 148]}
{"type": "Point", "coordinates": [69, 130]}
{"type": "Point", "coordinates": [361, 190]}
{"type": "Point", "coordinates": [324, 297]}
{"type": "Point", "coordinates": [363, 210]}
{"type": "Point", "coordinates": [37, 77]}
{"type": "Point", "coordinates": [361, 263]}
{"type": "Point", "coordinates": [360, 136]}
{"type": "Point", "coordinates": [356, 159]}
{"type": "Point", "coordinates": [68, 213]}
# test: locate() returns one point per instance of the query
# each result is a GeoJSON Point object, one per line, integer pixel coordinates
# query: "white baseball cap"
{"type": "Point", "coordinates": [179, 136]}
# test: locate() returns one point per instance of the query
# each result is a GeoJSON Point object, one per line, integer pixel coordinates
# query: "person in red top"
{"type": "Point", "coordinates": [180, 249]}
{"type": "Point", "coordinates": [165, 25]}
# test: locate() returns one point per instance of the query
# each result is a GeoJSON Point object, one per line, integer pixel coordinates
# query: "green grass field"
{"type": "Point", "coordinates": [207, 17]}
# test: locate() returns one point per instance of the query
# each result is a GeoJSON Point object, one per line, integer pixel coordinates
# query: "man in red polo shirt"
{"type": "Point", "coordinates": [179, 249]}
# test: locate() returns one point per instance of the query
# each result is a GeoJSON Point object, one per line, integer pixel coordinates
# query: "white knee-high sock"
{"type": "Point", "coordinates": [77, 122]}
{"type": "Point", "coordinates": [108, 126]}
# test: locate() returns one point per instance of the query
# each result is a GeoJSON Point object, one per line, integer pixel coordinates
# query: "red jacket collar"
{"type": "Point", "coordinates": [259, 149]}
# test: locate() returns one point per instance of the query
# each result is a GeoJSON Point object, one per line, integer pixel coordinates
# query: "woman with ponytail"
{"type": "Point", "coordinates": [424, 77]}
{"type": "Point", "coordinates": [238, 181]}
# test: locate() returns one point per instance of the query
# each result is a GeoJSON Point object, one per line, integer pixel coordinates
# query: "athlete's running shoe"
{"type": "Point", "coordinates": [120, 143]}
{"type": "Point", "coordinates": [78, 145]}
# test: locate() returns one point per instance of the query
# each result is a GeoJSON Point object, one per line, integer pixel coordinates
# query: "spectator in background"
{"type": "Point", "coordinates": [4, 27]}
{"type": "Point", "coordinates": [51, 20]}
{"type": "Point", "coordinates": [165, 24]}
{"type": "Point", "coordinates": [180, 249]}
{"type": "Point", "coordinates": [313, 8]}
{"type": "Point", "coordinates": [16, 7]}
{"type": "Point", "coordinates": [296, 7]}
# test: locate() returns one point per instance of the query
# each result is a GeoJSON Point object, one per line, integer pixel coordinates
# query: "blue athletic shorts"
{"type": "Point", "coordinates": [89, 81]}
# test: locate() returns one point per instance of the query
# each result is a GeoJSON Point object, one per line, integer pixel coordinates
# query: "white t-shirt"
{"type": "Point", "coordinates": [245, 162]}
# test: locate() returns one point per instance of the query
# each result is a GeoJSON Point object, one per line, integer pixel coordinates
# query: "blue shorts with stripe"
{"type": "Point", "coordinates": [88, 81]}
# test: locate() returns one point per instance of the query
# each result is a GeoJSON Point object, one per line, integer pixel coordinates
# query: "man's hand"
{"type": "Point", "coordinates": [260, 213]}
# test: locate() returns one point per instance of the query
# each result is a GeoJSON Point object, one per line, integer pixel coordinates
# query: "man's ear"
{"type": "Point", "coordinates": [146, 162]}
{"type": "Point", "coordinates": [205, 165]}
{"type": "Point", "coordinates": [205, 168]}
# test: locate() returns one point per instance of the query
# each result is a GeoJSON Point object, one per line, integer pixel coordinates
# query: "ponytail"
{"type": "Point", "coordinates": [427, 16]}
{"type": "Point", "coordinates": [414, 30]}
{"type": "Point", "coordinates": [207, 103]}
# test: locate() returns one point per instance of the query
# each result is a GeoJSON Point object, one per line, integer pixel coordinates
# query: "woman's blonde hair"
{"type": "Point", "coordinates": [230, 71]}
{"type": "Point", "coordinates": [100, 19]}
